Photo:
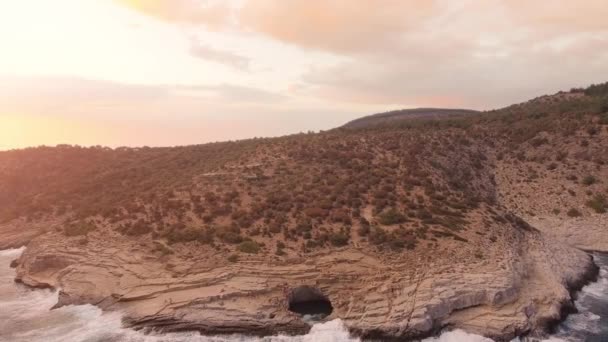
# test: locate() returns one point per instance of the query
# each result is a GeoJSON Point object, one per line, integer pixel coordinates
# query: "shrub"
{"type": "Point", "coordinates": [378, 236]}
{"type": "Point", "coordinates": [191, 234]}
{"type": "Point", "coordinates": [391, 216]}
{"type": "Point", "coordinates": [363, 230]}
{"type": "Point", "coordinates": [598, 203]}
{"type": "Point", "coordinates": [250, 247]}
{"type": "Point", "coordinates": [561, 156]}
{"type": "Point", "coordinates": [338, 239]}
{"type": "Point", "coordinates": [573, 212]}
{"type": "Point", "coordinates": [230, 236]}
{"type": "Point", "coordinates": [315, 212]}
{"type": "Point", "coordinates": [604, 105]}
{"type": "Point", "coordinates": [233, 258]}
{"type": "Point", "coordinates": [592, 130]}
{"type": "Point", "coordinates": [589, 180]}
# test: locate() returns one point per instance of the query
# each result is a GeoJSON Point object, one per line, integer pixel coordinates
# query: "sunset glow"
{"type": "Point", "coordinates": [114, 72]}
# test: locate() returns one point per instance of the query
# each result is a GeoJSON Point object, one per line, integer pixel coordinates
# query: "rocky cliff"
{"type": "Point", "coordinates": [516, 289]}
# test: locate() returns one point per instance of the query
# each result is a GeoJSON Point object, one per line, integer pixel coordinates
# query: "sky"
{"type": "Point", "coordinates": [177, 72]}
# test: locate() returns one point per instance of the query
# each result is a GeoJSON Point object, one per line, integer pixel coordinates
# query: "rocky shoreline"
{"type": "Point", "coordinates": [533, 293]}
{"type": "Point", "coordinates": [589, 275]}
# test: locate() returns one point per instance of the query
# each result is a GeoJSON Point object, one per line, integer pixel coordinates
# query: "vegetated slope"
{"type": "Point", "coordinates": [407, 226]}
{"type": "Point", "coordinates": [407, 114]}
{"type": "Point", "coordinates": [397, 183]}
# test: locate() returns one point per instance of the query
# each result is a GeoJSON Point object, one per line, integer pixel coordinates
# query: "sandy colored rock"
{"type": "Point", "coordinates": [516, 290]}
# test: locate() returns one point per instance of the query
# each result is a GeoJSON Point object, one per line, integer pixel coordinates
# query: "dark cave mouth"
{"type": "Point", "coordinates": [309, 301]}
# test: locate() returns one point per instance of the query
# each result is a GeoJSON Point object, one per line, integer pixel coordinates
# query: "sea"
{"type": "Point", "coordinates": [25, 316]}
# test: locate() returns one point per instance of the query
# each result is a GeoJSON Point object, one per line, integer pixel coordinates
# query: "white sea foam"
{"type": "Point", "coordinates": [25, 316]}
{"type": "Point", "coordinates": [458, 336]}
{"type": "Point", "coordinates": [11, 253]}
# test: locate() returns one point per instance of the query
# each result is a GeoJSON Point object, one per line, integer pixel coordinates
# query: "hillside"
{"type": "Point", "coordinates": [396, 116]}
{"type": "Point", "coordinates": [405, 225]}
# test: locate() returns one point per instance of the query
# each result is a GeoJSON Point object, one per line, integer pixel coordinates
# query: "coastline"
{"type": "Point", "coordinates": [588, 274]}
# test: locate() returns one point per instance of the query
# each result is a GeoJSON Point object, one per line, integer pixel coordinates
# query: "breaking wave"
{"type": "Point", "coordinates": [25, 316]}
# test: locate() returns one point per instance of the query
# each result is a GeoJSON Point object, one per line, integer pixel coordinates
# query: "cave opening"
{"type": "Point", "coordinates": [309, 301]}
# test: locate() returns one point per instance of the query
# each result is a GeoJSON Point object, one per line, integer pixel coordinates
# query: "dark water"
{"type": "Point", "coordinates": [591, 323]}
{"type": "Point", "coordinates": [316, 307]}
{"type": "Point", "coordinates": [25, 316]}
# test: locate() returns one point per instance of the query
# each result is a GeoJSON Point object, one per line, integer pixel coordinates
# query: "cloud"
{"type": "Point", "coordinates": [232, 94]}
{"type": "Point", "coordinates": [476, 80]}
{"type": "Point", "coordinates": [77, 96]}
{"type": "Point", "coordinates": [213, 15]}
{"type": "Point", "coordinates": [480, 54]}
{"type": "Point", "coordinates": [561, 15]}
{"type": "Point", "coordinates": [247, 94]}
{"type": "Point", "coordinates": [354, 27]}
{"type": "Point", "coordinates": [71, 95]}
{"type": "Point", "coordinates": [228, 58]}
{"type": "Point", "coordinates": [471, 55]}
{"type": "Point", "coordinates": [339, 26]}
{"type": "Point", "coordinates": [56, 110]}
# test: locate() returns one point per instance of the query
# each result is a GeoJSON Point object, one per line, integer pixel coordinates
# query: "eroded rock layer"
{"type": "Point", "coordinates": [516, 291]}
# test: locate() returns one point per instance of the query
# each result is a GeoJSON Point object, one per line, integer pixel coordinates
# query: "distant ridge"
{"type": "Point", "coordinates": [407, 114]}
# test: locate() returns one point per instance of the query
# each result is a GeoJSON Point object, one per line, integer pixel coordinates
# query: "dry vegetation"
{"type": "Point", "coordinates": [388, 187]}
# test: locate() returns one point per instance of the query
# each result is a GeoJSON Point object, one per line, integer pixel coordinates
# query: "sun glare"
{"type": "Point", "coordinates": [19, 130]}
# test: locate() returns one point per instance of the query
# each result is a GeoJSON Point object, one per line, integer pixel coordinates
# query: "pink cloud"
{"type": "Point", "coordinates": [212, 15]}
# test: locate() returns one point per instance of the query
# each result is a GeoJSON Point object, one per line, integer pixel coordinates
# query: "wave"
{"type": "Point", "coordinates": [26, 317]}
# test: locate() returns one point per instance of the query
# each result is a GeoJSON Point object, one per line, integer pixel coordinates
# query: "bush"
{"type": "Point", "coordinates": [604, 105]}
{"type": "Point", "coordinates": [363, 230]}
{"type": "Point", "coordinates": [280, 248]}
{"type": "Point", "coordinates": [191, 234]}
{"type": "Point", "coordinates": [391, 216]}
{"type": "Point", "coordinates": [233, 258]}
{"type": "Point", "coordinates": [589, 180]}
{"type": "Point", "coordinates": [229, 234]}
{"type": "Point", "coordinates": [315, 212]}
{"type": "Point", "coordinates": [598, 203]}
{"type": "Point", "coordinates": [592, 130]}
{"type": "Point", "coordinates": [338, 239]}
{"type": "Point", "coordinates": [573, 212]}
{"type": "Point", "coordinates": [378, 236]}
{"type": "Point", "coordinates": [250, 247]}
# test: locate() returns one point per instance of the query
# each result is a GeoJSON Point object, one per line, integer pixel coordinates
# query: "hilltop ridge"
{"type": "Point", "coordinates": [394, 116]}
